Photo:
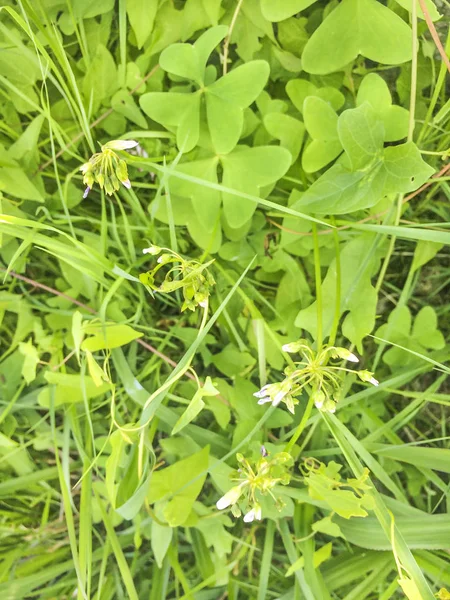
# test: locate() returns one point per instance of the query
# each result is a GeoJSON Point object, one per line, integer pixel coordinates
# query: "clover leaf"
{"type": "Point", "coordinates": [247, 170]}
{"type": "Point", "coordinates": [224, 100]}
{"type": "Point", "coordinates": [356, 283]}
{"type": "Point", "coordinates": [321, 124]}
{"type": "Point", "coordinates": [357, 27]}
{"type": "Point", "coordinates": [274, 10]}
{"type": "Point", "coordinates": [300, 89]}
{"type": "Point", "coordinates": [375, 91]}
{"type": "Point", "coordinates": [368, 172]}
{"type": "Point", "coordinates": [424, 335]}
{"type": "Point", "coordinates": [288, 130]}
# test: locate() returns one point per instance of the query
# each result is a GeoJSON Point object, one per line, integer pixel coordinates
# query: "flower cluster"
{"type": "Point", "coordinates": [191, 276]}
{"type": "Point", "coordinates": [254, 479]}
{"type": "Point", "coordinates": [106, 168]}
{"type": "Point", "coordinates": [314, 372]}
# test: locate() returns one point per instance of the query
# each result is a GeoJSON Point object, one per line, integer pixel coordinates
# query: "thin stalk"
{"type": "Point", "coordinates": [413, 93]}
{"type": "Point", "coordinates": [318, 278]}
{"type": "Point", "coordinates": [301, 426]}
{"type": "Point", "coordinates": [227, 39]}
{"type": "Point", "coordinates": [337, 310]}
{"type": "Point", "coordinates": [412, 107]}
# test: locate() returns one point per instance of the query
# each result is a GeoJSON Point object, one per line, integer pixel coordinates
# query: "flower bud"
{"type": "Point", "coordinates": [231, 497]}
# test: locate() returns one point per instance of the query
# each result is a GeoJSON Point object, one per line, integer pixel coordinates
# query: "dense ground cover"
{"type": "Point", "coordinates": [224, 299]}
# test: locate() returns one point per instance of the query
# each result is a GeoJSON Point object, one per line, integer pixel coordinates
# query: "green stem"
{"type": "Point", "coordinates": [413, 94]}
{"type": "Point", "coordinates": [318, 278]}
{"type": "Point", "coordinates": [301, 426]}
{"type": "Point", "coordinates": [337, 310]}
{"type": "Point", "coordinates": [169, 382]}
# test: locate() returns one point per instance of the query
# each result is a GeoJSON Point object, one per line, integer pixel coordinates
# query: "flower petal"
{"type": "Point", "coordinates": [264, 400]}
{"type": "Point", "coordinates": [223, 502]}
{"type": "Point", "coordinates": [120, 144]}
{"type": "Point", "coordinates": [86, 192]}
{"type": "Point", "coordinates": [250, 516]}
{"type": "Point", "coordinates": [126, 183]}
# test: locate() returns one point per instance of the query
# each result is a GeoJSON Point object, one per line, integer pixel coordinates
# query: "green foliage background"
{"type": "Point", "coordinates": [301, 145]}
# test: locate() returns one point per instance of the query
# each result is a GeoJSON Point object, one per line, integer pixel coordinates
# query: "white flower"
{"type": "Point", "coordinates": [231, 497]}
{"type": "Point", "coordinates": [254, 514]}
{"type": "Point", "coordinates": [120, 145]}
{"type": "Point", "coordinates": [344, 354]}
{"type": "Point", "coordinates": [126, 183]}
{"type": "Point", "coordinates": [262, 392]}
{"type": "Point", "coordinates": [264, 400]}
{"type": "Point", "coordinates": [291, 347]}
{"type": "Point", "coordinates": [153, 250]}
{"type": "Point", "coordinates": [368, 377]}
{"type": "Point", "coordinates": [273, 392]}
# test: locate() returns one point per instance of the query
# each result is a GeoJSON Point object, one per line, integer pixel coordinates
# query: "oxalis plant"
{"type": "Point", "coordinates": [223, 236]}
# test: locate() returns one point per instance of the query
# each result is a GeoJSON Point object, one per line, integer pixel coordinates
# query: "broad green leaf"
{"type": "Point", "coordinates": [367, 533]}
{"type": "Point", "coordinates": [225, 122]}
{"type": "Point", "coordinates": [242, 85]}
{"type": "Point", "coordinates": [410, 588]}
{"type": "Point", "coordinates": [127, 488]}
{"type": "Point", "coordinates": [95, 371]}
{"type": "Point", "coordinates": [160, 539]}
{"type": "Point", "coordinates": [357, 27]}
{"type": "Point", "coordinates": [123, 103]}
{"type": "Point", "coordinates": [369, 172]}
{"type": "Point", "coordinates": [69, 389]}
{"type": "Point", "coordinates": [77, 331]}
{"type": "Point", "coordinates": [355, 284]}
{"type": "Point", "coordinates": [424, 252]}
{"type": "Point", "coordinates": [101, 80]}
{"type": "Point", "coordinates": [86, 9]}
{"type": "Point", "coordinates": [420, 456]}
{"type": "Point", "coordinates": [288, 130]}
{"type": "Point", "coordinates": [182, 60]}
{"type": "Point", "coordinates": [107, 336]}
{"type": "Point", "coordinates": [325, 484]}
{"type": "Point", "coordinates": [321, 122]}
{"type": "Point", "coordinates": [404, 169]}
{"type": "Point", "coordinates": [293, 35]}
{"type": "Point", "coordinates": [231, 361]}
{"type": "Point", "coordinates": [141, 14]}
{"type": "Point", "coordinates": [15, 182]}
{"type": "Point", "coordinates": [300, 89]}
{"type": "Point", "coordinates": [178, 112]}
{"type": "Point", "coordinates": [206, 202]}
{"type": "Point", "coordinates": [375, 91]}
{"type": "Point", "coordinates": [209, 40]}
{"type": "Point", "coordinates": [278, 10]}
{"type": "Point", "coordinates": [248, 170]}
{"type": "Point", "coordinates": [227, 97]}
{"type": "Point", "coordinates": [319, 557]}
{"type": "Point", "coordinates": [288, 61]}
{"type": "Point", "coordinates": [31, 361]}
{"type": "Point", "coordinates": [327, 526]}
{"type": "Point", "coordinates": [424, 335]}
{"type": "Point", "coordinates": [174, 485]}
{"type": "Point", "coordinates": [431, 7]}
{"type": "Point", "coordinates": [27, 143]}
{"type": "Point", "coordinates": [195, 406]}
{"type": "Point", "coordinates": [361, 134]}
